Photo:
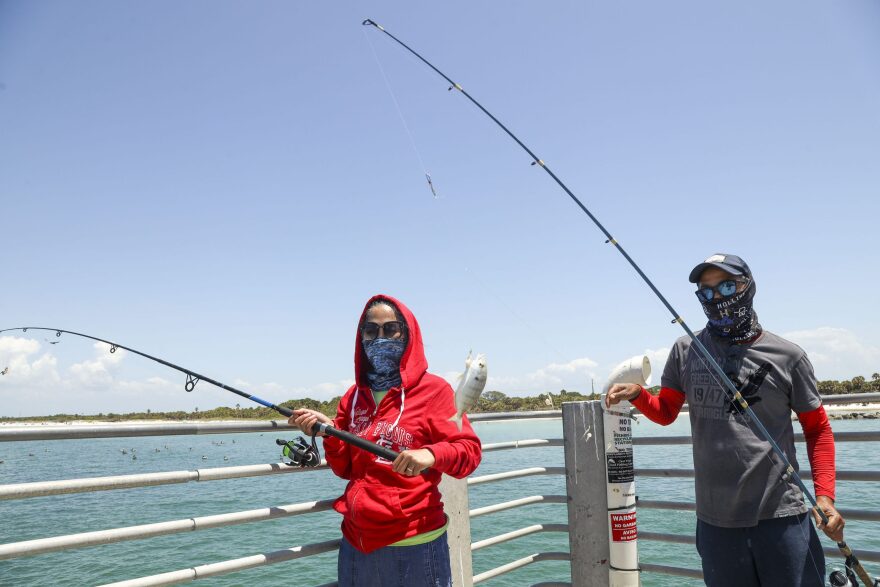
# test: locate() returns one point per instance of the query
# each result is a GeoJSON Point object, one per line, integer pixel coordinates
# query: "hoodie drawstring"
{"type": "Point", "coordinates": [402, 397]}
{"type": "Point", "coordinates": [353, 404]}
{"type": "Point", "coordinates": [396, 421]}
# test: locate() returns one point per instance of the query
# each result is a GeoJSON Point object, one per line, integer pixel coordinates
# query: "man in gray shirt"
{"type": "Point", "coordinates": [753, 528]}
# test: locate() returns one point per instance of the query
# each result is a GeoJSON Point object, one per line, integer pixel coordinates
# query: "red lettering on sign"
{"type": "Point", "coordinates": [623, 527]}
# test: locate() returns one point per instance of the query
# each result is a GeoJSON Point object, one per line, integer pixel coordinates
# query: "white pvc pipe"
{"type": "Point", "coordinates": [619, 476]}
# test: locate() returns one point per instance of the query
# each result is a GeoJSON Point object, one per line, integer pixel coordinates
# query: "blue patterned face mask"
{"type": "Point", "coordinates": [384, 356]}
{"type": "Point", "coordinates": [733, 317]}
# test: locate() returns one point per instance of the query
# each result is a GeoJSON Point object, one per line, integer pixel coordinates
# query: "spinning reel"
{"type": "Point", "coordinates": [300, 452]}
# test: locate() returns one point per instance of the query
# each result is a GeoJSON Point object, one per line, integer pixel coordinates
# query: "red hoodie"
{"type": "Point", "coordinates": [381, 507]}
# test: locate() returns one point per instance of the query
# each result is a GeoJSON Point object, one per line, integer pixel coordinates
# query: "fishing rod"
{"type": "Point", "coordinates": [192, 378]}
{"type": "Point", "coordinates": [731, 389]}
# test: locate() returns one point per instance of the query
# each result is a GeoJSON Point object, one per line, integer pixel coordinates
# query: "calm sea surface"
{"type": "Point", "coordinates": [53, 516]}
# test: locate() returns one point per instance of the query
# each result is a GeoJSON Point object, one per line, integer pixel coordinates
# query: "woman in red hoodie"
{"type": "Point", "coordinates": [393, 526]}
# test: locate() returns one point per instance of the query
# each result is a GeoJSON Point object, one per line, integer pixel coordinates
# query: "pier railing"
{"type": "Point", "coordinates": [588, 534]}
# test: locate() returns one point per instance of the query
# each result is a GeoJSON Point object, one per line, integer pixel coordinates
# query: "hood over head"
{"type": "Point", "coordinates": [413, 363]}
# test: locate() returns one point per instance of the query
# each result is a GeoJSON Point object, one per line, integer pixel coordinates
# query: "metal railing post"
{"type": "Point", "coordinates": [458, 533]}
{"type": "Point", "coordinates": [583, 433]}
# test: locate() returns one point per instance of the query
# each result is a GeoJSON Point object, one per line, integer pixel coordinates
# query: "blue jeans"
{"type": "Point", "coordinates": [423, 565]}
{"type": "Point", "coordinates": [782, 552]}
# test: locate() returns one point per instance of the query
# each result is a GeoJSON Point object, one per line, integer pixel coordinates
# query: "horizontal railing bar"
{"type": "Point", "coordinates": [125, 430]}
{"type": "Point", "coordinates": [99, 537]}
{"type": "Point", "coordinates": [663, 537]}
{"type": "Point", "coordinates": [512, 566]}
{"type": "Point", "coordinates": [88, 484]}
{"type": "Point", "coordinates": [518, 534]}
{"type": "Point", "coordinates": [666, 505]}
{"type": "Point", "coordinates": [865, 556]}
{"type": "Point", "coordinates": [529, 415]}
{"type": "Point", "coordinates": [515, 474]}
{"type": "Point", "coordinates": [677, 473]}
{"type": "Point", "coordinates": [833, 399]}
{"type": "Point", "coordinates": [551, 584]}
{"type": "Point", "coordinates": [859, 514]}
{"type": "Point", "coordinates": [79, 431]}
{"type": "Point", "coordinates": [677, 571]}
{"type": "Point", "coordinates": [660, 440]}
{"type": "Point", "coordinates": [830, 551]}
{"type": "Point", "coordinates": [850, 398]}
{"type": "Point", "coordinates": [229, 566]}
{"type": "Point", "coordinates": [84, 431]}
{"type": "Point", "coordinates": [849, 475]}
{"type": "Point", "coordinates": [529, 443]}
{"type": "Point", "coordinates": [848, 513]}
{"type": "Point", "coordinates": [860, 436]}
{"type": "Point", "coordinates": [805, 474]}
{"type": "Point", "coordinates": [498, 507]}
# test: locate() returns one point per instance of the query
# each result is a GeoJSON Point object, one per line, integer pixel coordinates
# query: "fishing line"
{"type": "Point", "coordinates": [728, 385]}
{"type": "Point", "coordinates": [412, 140]}
{"type": "Point", "coordinates": [193, 378]}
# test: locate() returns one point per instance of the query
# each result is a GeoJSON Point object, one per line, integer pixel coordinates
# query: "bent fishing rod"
{"type": "Point", "coordinates": [731, 389]}
{"type": "Point", "coordinates": [192, 378]}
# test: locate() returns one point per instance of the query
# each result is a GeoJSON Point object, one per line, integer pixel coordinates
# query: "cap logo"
{"type": "Point", "coordinates": [715, 259]}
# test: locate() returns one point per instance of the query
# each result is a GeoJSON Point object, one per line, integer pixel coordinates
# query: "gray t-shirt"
{"type": "Point", "coordinates": [738, 476]}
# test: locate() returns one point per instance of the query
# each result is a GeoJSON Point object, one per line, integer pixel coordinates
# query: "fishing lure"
{"type": "Point", "coordinates": [735, 396]}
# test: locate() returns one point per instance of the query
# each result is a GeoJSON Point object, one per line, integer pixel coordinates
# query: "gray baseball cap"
{"type": "Point", "coordinates": [730, 263]}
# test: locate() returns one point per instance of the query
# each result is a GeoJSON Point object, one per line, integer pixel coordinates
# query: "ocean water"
{"type": "Point", "coordinates": [67, 514]}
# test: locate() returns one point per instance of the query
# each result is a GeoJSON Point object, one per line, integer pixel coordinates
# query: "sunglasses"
{"type": "Point", "coordinates": [726, 289]}
{"type": "Point", "coordinates": [371, 330]}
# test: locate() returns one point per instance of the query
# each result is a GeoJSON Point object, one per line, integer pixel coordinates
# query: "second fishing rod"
{"type": "Point", "coordinates": [192, 378]}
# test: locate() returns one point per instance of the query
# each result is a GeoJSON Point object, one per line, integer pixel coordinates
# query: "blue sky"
{"type": "Point", "coordinates": [224, 184]}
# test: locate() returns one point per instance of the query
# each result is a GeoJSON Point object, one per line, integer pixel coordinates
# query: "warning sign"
{"type": "Point", "coordinates": [623, 527]}
{"type": "Point", "coordinates": [620, 466]}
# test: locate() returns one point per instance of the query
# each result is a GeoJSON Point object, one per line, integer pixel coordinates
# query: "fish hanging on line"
{"type": "Point", "coordinates": [470, 386]}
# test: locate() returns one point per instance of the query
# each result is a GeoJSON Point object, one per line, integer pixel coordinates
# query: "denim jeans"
{"type": "Point", "coordinates": [782, 552]}
{"type": "Point", "coordinates": [423, 565]}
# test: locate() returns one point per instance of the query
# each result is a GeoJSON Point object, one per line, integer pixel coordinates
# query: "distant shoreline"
{"type": "Point", "coordinates": [869, 411]}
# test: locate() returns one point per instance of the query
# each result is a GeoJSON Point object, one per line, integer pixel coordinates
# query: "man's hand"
{"type": "Point", "coordinates": [620, 392]}
{"type": "Point", "coordinates": [834, 528]}
{"type": "Point", "coordinates": [304, 419]}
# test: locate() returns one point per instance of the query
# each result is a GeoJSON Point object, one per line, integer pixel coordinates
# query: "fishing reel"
{"type": "Point", "coordinates": [843, 579]}
{"type": "Point", "coordinates": [300, 452]}
{"type": "Point", "coordinates": [847, 577]}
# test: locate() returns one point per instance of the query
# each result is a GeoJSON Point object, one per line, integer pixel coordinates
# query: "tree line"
{"type": "Point", "coordinates": [490, 401]}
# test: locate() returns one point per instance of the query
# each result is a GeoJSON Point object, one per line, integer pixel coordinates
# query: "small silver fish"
{"type": "Point", "coordinates": [470, 386]}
